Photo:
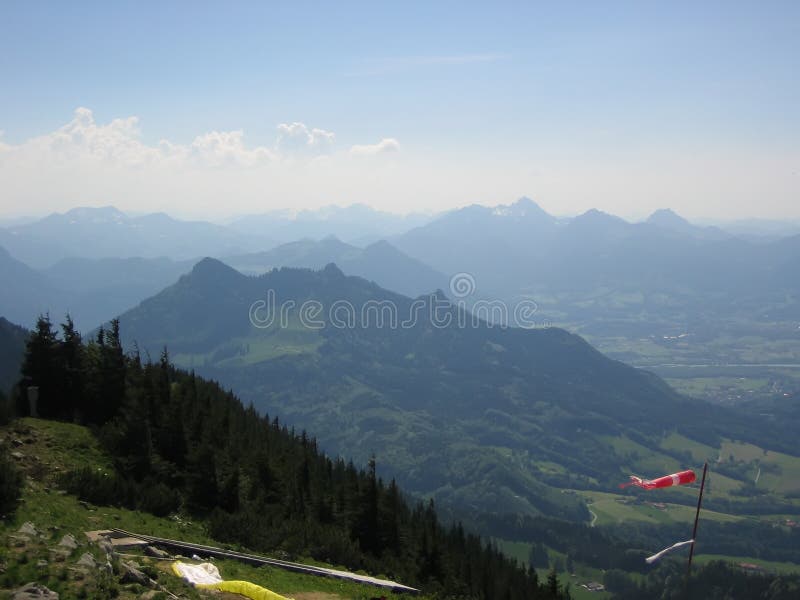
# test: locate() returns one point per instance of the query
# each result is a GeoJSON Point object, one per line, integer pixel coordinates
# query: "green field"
{"type": "Point", "coordinates": [259, 346]}
{"type": "Point", "coordinates": [700, 452]}
{"type": "Point", "coordinates": [779, 472]}
{"type": "Point", "coordinates": [619, 508]}
{"type": "Point", "coordinates": [767, 565]}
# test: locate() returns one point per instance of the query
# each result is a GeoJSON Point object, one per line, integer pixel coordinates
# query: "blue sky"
{"type": "Point", "coordinates": [622, 106]}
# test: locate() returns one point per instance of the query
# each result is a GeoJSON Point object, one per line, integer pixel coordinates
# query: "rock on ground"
{"type": "Point", "coordinates": [156, 552]}
{"type": "Point", "coordinates": [131, 574]}
{"type": "Point", "coordinates": [33, 591]}
{"type": "Point", "coordinates": [68, 542]}
{"type": "Point", "coordinates": [28, 528]}
{"type": "Point", "coordinates": [87, 560]}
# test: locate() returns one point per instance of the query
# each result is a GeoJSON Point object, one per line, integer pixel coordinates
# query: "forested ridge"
{"type": "Point", "coordinates": [181, 443]}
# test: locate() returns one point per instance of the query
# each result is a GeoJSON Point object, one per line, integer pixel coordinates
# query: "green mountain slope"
{"type": "Point", "coordinates": [486, 418]}
{"type": "Point", "coordinates": [12, 350]}
{"type": "Point", "coordinates": [177, 444]}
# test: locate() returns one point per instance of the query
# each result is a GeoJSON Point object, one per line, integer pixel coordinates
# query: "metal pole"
{"type": "Point", "coordinates": [696, 519]}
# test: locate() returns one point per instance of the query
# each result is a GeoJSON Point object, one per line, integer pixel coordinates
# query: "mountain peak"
{"type": "Point", "coordinates": [156, 218]}
{"type": "Point", "coordinates": [381, 247]}
{"type": "Point", "coordinates": [669, 220]}
{"type": "Point", "coordinates": [666, 217]}
{"type": "Point", "coordinates": [527, 206]}
{"type": "Point", "coordinates": [524, 207]}
{"type": "Point", "coordinates": [211, 268]}
{"type": "Point", "coordinates": [94, 214]}
{"type": "Point", "coordinates": [597, 216]}
{"type": "Point", "coordinates": [333, 271]}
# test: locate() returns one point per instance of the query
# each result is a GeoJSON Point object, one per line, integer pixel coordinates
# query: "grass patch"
{"type": "Point", "coordinates": [640, 459]}
{"type": "Point", "coordinates": [780, 472]}
{"type": "Point", "coordinates": [615, 508]}
{"type": "Point", "coordinates": [768, 565]}
{"type": "Point", "coordinates": [700, 452]}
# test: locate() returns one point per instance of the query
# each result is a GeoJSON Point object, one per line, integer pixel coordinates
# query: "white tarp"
{"type": "Point", "coordinates": [202, 574]}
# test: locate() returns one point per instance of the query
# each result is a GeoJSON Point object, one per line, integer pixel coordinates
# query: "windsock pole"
{"type": "Point", "coordinates": [696, 519]}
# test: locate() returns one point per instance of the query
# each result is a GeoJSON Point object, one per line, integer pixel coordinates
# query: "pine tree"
{"type": "Point", "coordinates": [553, 586]}
{"type": "Point", "coordinates": [538, 558]}
{"type": "Point", "coordinates": [41, 368]}
{"type": "Point", "coordinates": [368, 519]}
{"type": "Point", "coordinates": [72, 358]}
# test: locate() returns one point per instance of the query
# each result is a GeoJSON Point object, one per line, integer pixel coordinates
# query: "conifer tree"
{"type": "Point", "coordinates": [41, 368]}
{"type": "Point", "coordinates": [72, 359]}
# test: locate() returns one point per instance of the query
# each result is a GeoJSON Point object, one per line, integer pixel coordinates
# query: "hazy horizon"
{"type": "Point", "coordinates": [209, 112]}
{"type": "Point", "coordinates": [9, 220]}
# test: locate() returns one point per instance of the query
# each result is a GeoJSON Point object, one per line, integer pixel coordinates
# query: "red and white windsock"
{"type": "Point", "coordinates": [681, 478]}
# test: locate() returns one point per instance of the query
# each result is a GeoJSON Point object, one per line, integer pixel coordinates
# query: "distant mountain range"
{"type": "Point", "coordinates": [606, 277]}
{"type": "Point", "coordinates": [25, 292]}
{"type": "Point", "coordinates": [670, 221]}
{"type": "Point", "coordinates": [95, 290]}
{"type": "Point", "coordinates": [596, 273]}
{"type": "Point", "coordinates": [91, 290]}
{"type": "Point", "coordinates": [379, 262]}
{"type": "Point", "coordinates": [357, 223]}
{"type": "Point", "coordinates": [519, 248]}
{"type": "Point", "coordinates": [497, 419]}
{"type": "Point", "coordinates": [760, 229]}
{"type": "Point", "coordinates": [479, 416]}
{"type": "Point", "coordinates": [110, 233]}
{"type": "Point", "coordinates": [107, 232]}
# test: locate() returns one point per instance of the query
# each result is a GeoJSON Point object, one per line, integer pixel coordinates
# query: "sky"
{"type": "Point", "coordinates": [211, 109]}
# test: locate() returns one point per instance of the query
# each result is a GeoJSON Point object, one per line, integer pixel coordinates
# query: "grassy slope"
{"type": "Point", "coordinates": [50, 448]}
{"type": "Point", "coordinates": [782, 478]}
{"type": "Point", "coordinates": [616, 508]}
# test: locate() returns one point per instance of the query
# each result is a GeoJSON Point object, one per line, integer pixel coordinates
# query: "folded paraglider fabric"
{"type": "Point", "coordinates": [247, 589]}
{"type": "Point", "coordinates": [206, 576]}
{"type": "Point", "coordinates": [202, 574]}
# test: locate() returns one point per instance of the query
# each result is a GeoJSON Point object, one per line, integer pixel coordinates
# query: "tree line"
{"type": "Point", "coordinates": [181, 443]}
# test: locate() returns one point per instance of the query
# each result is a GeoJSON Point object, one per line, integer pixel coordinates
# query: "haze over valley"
{"type": "Point", "coordinates": [494, 302]}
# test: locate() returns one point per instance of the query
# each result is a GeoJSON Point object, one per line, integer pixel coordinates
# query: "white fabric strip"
{"type": "Point", "coordinates": [651, 559]}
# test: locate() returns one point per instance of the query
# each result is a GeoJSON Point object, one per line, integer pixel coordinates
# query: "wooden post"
{"type": "Point", "coordinates": [694, 531]}
{"type": "Point", "coordinates": [33, 400]}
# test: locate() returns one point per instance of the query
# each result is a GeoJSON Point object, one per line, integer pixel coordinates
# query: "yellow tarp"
{"type": "Point", "coordinates": [245, 588]}
{"type": "Point", "coordinates": [207, 576]}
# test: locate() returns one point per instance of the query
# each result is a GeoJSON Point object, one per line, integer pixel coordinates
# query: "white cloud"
{"type": "Point", "coordinates": [297, 137]}
{"type": "Point", "coordinates": [385, 146]}
{"type": "Point", "coordinates": [218, 173]}
{"type": "Point", "coordinates": [220, 148]}
{"type": "Point", "coordinates": [82, 139]}
{"type": "Point", "coordinates": [86, 163]}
